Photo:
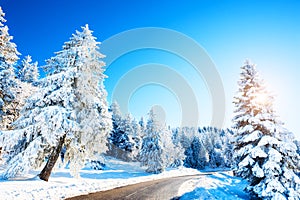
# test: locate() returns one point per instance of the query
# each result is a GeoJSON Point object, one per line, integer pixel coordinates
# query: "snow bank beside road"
{"type": "Point", "coordinates": [219, 185]}
{"type": "Point", "coordinates": [61, 185]}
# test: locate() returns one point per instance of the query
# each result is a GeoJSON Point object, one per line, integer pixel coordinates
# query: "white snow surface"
{"type": "Point", "coordinates": [219, 185]}
{"type": "Point", "coordinates": [61, 185]}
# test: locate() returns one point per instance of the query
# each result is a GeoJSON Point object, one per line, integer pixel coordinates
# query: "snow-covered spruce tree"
{"type": "Point", "coordinates": [157, 151]}
{"type": "Point", "coordinates": [26, 78]}
{"type": "Point", "coordinates": [264, 155]}
{"type": "Point", "coordinates": [69, 110]}
{"type": "Point", "coordinates": [196, 155]}
{"type": "Point", "coordinates": [116, 120]}
{"type": "Point", "coordinates": [121, 142]}
{"type": "Point", "coordinates": [211, 139]}
{"type": "Point", "coordinates": [123, 139]}
{"type": "Point", "coordinates": [178, 150]}
{"type": "Point", "coordinates": [28, 71]}
{"type": "Point", "coordinates": [136, 137]}
{"type": "Point", "coordinates": [227, 149]}
{"type": "Point", "coordinates": [8, 57]}
{"type": "Point", "coordinates": [151, 154]}
{"type": "Point", "coordinates": [142, 125]}
{"type": "Point", "coordinates": [173, 152]}
{"type": "Point", "coordinates": [297, 143]}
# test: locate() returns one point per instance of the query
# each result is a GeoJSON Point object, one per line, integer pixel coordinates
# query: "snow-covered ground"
{"type": "Point", "coordinates": [117, 173]}
{"type": "Point", "coordinates": [219, 185]}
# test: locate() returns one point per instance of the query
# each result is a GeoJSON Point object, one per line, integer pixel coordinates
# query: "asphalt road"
{"type": "Point", "coordinates": [163, 189]}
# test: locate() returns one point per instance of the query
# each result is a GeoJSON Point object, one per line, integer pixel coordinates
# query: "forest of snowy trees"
{"type": "Point", "coordinates": [64, 117]}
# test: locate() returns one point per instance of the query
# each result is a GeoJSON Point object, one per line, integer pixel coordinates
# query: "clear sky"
{"type": "Point", "coordinates": [266, 32]}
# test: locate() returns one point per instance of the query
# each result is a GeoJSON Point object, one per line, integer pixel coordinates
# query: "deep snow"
{"type": "Point", "coordinates": [219, 185]}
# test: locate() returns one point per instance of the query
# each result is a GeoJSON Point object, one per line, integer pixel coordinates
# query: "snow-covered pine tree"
{"type": "Point", "coordinates": [69, 110]}
{"type": "Point", "coordinates": [26, 78]}
{"type": "Point", "coordinates": [116, 121]}
{"type": "Point", "coordinates": [8, 57]}
{"type": "Point", "coordinates": [116, 114]}
{"type": "Point", "coordinates": [28, 71]}
{"type": "Point", "coordinates": [157, 151]}
{"type": "Point", "coordinates": [136, 138]}
{"type": "Point", "coordinates": [125, 138]}
{"type": "Point", "coordinates": [142, 125]}
{"type": "Point", "coordinates": [196, 155]}
{"type": "Point", "coordinates": [173, 155]}
{"type": "Point", "coordinates": [297, 143]}
{"type": "Point", "coordinates": [119, 136]}
{"type": "Point", "coordinates": [151, 154]}
{"type": "Point", "coordinates": [178, 150]}
{"type": "Point", "coordinates": [121, 142]}
{"type": "Point", "coordinates": [266, 159]}
{"type": "Point", "coordinates": [211, 140]}
{"type": "Point", "coordinates": [227, 149]}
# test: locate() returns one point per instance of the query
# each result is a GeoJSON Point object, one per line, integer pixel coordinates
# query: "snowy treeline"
{"type": "Point", "coordinates": [265, 153]}
{"type": "Point", "coordinates": [150, 143]}
{"type": "Point", "coordinates": [205, 147]}
{"type": "Point", "coordinates": [157, 146]}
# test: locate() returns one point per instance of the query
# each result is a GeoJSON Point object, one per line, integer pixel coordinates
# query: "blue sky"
{"type": "Point", "coordinates": [267, 32]}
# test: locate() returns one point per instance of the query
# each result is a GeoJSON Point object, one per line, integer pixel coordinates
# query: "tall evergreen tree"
{"type": "Point", "coordinates": [157, 151]}
{"type": "Point", "coordinates": [70, 110]}
{"type": "Point", "coordinates": [125, 138]}
{"type": "Point", "coordinates": [151, 154]}
{"type": "Point", "coordinates": [117, 131]}
{"type": "Point", "coordinates": [263, 153]}
{"type": "Point", "coordinates": [137, 138]}
{"type": "Point", "coordinates": [196, 155]}
{"type": "Point", "coordinates": [8, 57]}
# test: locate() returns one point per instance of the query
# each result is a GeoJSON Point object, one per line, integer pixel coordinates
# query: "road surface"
{"type": "Point", "coordinates": [155, 190]}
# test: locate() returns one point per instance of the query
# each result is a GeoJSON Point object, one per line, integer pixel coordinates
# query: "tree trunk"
{"type": "Point", "coordinates": [46, 172]}
{"type": "Point", "coordinates": [0, 153]}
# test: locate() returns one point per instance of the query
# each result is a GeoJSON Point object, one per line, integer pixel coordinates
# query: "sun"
{"type": "Point", "coordinates": [262, 99]}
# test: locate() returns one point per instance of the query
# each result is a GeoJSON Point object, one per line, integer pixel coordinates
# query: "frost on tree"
{"type": "Point", "coordinates": [214, 146]}
{"type": "Point", "coordinates": [28, 72]}
{"type": "Point", "coordinates": [151, 151]}
{"type": "Point", "coordinates": [122, 129]}
{"type": "Point", "coordinates": [68, 111]}
{"type": "Point", "coordinates": [8, 57]}
{"type": "Point", "coordinates": [196, 155]}
{"type": "Point", "coordinates": [157, 151]}
{"type": "Point", "coordinates": [264, 151]}
{"type": "Point", "coordinates": [120, 145]}
{"type": "Point", "coordinates": [125, 138]}
{"type": "Point", "coordinates": [205, 147]}
{"type": "Point", "coordinates": [137, 138]}
{"type": "Point", "coordinates": [121, 141]}
{"type": "Point", "coordinates": [27, 79]}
